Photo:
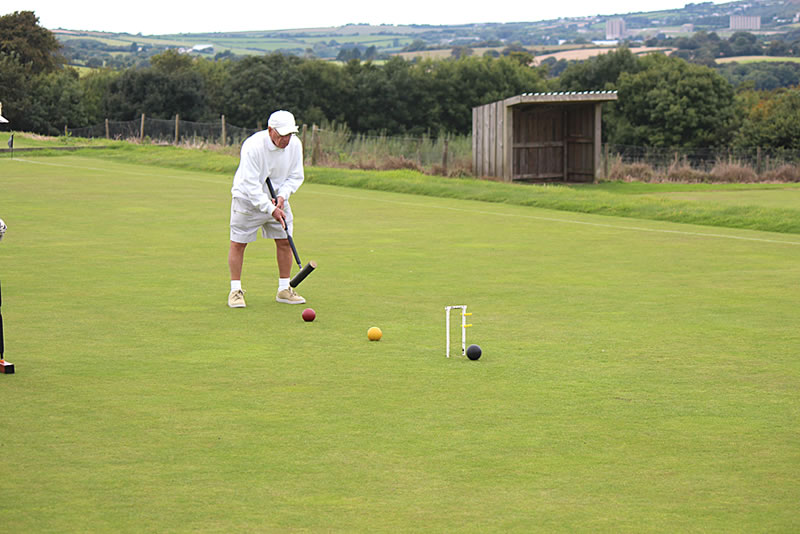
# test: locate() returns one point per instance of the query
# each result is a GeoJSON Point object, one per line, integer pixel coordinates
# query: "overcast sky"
{"type": "Point", "coordinates": [157, 17]}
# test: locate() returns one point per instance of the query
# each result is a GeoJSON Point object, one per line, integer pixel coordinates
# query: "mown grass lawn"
{"type": "Point", "coordinates": [637, 375]}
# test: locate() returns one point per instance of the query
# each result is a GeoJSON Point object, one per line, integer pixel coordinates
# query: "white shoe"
{"type": "Point", "coordinates": [236, 299]}
{"type": "Point", "coordinates": [288, 296]}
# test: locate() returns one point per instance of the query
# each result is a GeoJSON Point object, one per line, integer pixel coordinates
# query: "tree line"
{"type": "Point", "coordinates": [663, 100]}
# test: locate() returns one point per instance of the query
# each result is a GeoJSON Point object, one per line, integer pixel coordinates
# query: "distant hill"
{"type": "Point", "coordinates": [375, 42]}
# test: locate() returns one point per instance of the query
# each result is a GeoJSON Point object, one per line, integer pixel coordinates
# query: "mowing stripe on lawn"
{"type": "Point", "coordinates": [569, 221]}
{"type": "Point", "coordinates": [536, 217]}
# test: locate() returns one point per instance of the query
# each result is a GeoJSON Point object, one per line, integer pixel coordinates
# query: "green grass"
{"type": "Point", "coordinates": [766, 207]}
{"type": "Point", "coordinates": [27, 140]}
{"type": "Point", "coordinates": [637, 375]}
{"type": "Point", "coordinates": [765, 195]}
{"type": "Point", "coordinates": [755, 206]}
{"type": "Point", "coordinates": [784, 197]}
{"type": "Point", "coordinates": [580, 199]}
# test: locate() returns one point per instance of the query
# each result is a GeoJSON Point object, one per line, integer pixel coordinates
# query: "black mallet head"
{"type": "Point", "coordinates": [305, 271]}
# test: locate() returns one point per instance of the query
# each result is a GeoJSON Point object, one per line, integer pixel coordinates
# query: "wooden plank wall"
{"type": "Point", "coordinates": [537, 142]}
{"type": "Point", "coordinates": [580, 143]}
{"type": "Point", "coordinates": [488, 139]}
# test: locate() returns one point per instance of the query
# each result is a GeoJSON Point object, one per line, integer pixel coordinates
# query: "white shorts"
{"type": "Point", "coordinates": [246, 219]}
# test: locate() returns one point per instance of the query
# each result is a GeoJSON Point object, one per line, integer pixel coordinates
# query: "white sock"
{"type": "Point", "coordinates": [283, 283]}
{"type": "Point", "coordinates": [236, 285]}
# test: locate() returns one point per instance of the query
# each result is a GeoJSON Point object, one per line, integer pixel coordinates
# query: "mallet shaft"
{"type": "Point", "coordinates": [285, 228]}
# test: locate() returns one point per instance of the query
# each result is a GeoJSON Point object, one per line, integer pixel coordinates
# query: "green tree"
{"type": "Point", "coordinates": [778, 48]}
{"type": "Point", "coordinates": [216, 77]}
{"type": "Point", "coordinates": [56, 100]}
{"type": "Point", "coordinates": [415, 46]}
{"type": "Point", "coordinates": [158, 94]}
{"type": "Point", "coordinates": [15, 86]}
{"type": "Point", "coordinates": [600, 72]}
{"type": "Point", "coordinates": [394, 98]}
{"type": "Point", "coordinates": [367, 110]}
{"type": "Point", "coordinates": [96, 86]}
{"type": "Point", "coordinates": [458, 86]}
{"type": "Point", "coordinates": [672, 103]}
{"type": "Point", "coordinates": [761, 75]}
{"type": "Point", "coordinates": [171, 61]}
{"type": "Point", "coordinates": [523, 58]}
{"type": "Point", "coordinates": [371, 53]}
{"type": "Point", "coordinates": [261, 84]}
{"type": "Point", "coordinates": [744, 44]}
{"type": "Point", "coordinates": [772, 121]}
{"type": "Point", "coordinates": [324, 91]}
{"type": "Point", "coordinates": [347, 53]}
{"type": "Point", "coordinates": [31, 45]}
{"type": "Point", "coordinates": [461, 51]}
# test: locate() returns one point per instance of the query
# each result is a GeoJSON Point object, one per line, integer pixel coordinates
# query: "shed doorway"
{"type": "Point", "coordinates": [553, 143]}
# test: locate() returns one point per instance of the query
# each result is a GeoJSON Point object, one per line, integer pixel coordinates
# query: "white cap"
{"type": "Point", "coordinates": [282, 122]}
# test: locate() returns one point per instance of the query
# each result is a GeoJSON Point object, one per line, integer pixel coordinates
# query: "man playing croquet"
{"type": "Point", "coordinates": [277, 154]}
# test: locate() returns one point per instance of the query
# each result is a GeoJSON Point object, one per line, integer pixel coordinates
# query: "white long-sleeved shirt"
{"type": "Point", "coordinates": [261, 159]}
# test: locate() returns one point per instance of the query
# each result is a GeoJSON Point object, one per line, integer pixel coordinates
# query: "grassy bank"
{"type": "Point", "coordinates": [634, 200]}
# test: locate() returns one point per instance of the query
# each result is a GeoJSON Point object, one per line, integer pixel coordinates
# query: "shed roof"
{"type": "Point", "coordinates": [584, 96]}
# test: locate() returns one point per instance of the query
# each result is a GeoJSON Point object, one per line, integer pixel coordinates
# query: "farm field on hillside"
{"type": "Point", "coordinates": [756, 59]}
{"type": "Point", "coordinates": [586, 53]}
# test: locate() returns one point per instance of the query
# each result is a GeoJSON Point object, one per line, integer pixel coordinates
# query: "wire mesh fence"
{"type": "Point", "coordinates": [333, 144]}
{"type": "Point", "coordinates": [330, 144]}
{"type": "Point", "coordinates": [760, 159]}
{"type": "Point", "coordinates": [336, 145]}
{"type": "Point", "coordinates": [175, 131]}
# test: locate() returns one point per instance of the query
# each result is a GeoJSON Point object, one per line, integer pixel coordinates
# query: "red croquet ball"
{"type": "Point", "coordinates": [309, 315]}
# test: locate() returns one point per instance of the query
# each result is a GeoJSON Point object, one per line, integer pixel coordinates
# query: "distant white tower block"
{"type": "Point", "coordinates": [615, 29]}
{"type": "Point", "coordinates": [742, 22]}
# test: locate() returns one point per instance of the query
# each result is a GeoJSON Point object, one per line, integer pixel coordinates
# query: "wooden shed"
{"type": "Point", "coordinates": [538, 137]}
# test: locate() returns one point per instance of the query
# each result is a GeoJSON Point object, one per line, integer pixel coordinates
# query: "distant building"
{"type": "Point", "coordinates": [687, 28]}
{"type": "Point", "coordinates": [615, 29]}
{"type": "Point", "coordinates": [540, 137]}
{"type": "Point", "coordinates": [202, 49]}
{"type": "Point", "coordinates": [743, 22]}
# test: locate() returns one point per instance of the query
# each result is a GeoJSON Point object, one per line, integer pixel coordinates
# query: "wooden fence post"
{"type": "Point", "coordinates": [444, 158]}
{"type": "Point", "coordinates": [66, 133]}
{"type": "Point", "coordinates": [605, 163]}
{"type": "Point", "coordinates": [177, 125]}
{"type": "Point", "coordinates": [315, 143]}
{"type": "Point", "coordinates": [224, 133]}
{"type": "Point", "coordinates": [303, 141]}
{"type": "Point", "coordinates": [758, 160]}
{"type": "Point", "coordinates": [141, 130]}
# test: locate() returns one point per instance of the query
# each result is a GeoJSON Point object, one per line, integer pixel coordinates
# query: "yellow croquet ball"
{"type": "Point", "coordinates": [374, 333]}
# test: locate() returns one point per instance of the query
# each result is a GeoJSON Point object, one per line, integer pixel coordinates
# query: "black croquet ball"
{"type": "Point", "coordinates": [473, 352]}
